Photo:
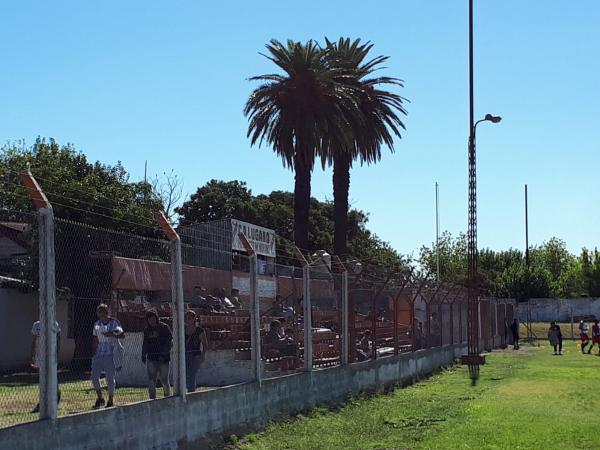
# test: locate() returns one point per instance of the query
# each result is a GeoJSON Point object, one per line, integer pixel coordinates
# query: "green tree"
{"type": "Point", "coordinates": [293, 111]}
{"type": "Point", "coordinates": [92, 193]}
{"type": "Point", "coordinates": [276, 211]}
{"type": "Point", "coordinates": [373, 122]}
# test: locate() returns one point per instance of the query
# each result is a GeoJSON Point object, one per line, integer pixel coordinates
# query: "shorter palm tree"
{"type": "Point", "coordinates": [374, 122]}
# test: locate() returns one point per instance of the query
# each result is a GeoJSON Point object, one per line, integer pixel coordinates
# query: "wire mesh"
{"type": "Point", "coordinates": [282, 322]}
{"type": "Point", "coordinates": [326, 320]}
{"type": "Point", "coordinates": [19, 379]}
{"type": "Point", "coordinates": [107, 282]}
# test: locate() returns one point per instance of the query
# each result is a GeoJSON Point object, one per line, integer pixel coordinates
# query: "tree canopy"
{"type": "Point", "coordinates": [553, 271]}
{"type": "Point", "coordinates": [233, 199]}
{"type": "Point", "coordinates": [92, 193]}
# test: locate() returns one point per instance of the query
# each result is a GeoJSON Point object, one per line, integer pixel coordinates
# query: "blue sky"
{"type": "Point", "coordinates": [166, 82]}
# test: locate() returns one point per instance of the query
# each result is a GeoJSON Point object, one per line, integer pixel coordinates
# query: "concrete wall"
{"type": "Point", "coordinates": [549, 309]}
{"type": "Point", "coordinates": [219, 369]}
{"type": "Point", "coordinates": [171, 423]}
{"type": "Point", "coordinates": [18, 311]}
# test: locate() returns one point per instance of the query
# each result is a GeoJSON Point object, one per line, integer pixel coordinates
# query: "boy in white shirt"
{"type": "Point", "coordinates": [106, 332]}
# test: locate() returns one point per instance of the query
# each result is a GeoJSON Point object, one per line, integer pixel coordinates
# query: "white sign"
{"type": "Point", "coordinates": [262, 239]}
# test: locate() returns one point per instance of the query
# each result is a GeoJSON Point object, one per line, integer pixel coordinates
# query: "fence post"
{"type": "Point", "coordinates": [308, 352]}
{"type": "Point", "coordinates": [345, 331]}
{"type": "Point", "coordinates": [179, 376]}
{"type": "Point", "coordinates": [48, 396]}
{"type": "Point", "coordinates": [307, 311]}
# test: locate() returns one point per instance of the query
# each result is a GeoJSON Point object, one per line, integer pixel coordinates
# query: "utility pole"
{"type": "Point", "coordinates": [437, 230]}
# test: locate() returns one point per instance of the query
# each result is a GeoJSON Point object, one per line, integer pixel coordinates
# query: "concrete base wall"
{"type": "Point", "coordinates": [219, 369]}
{"type": "Point", "coordinates": [172, 423]}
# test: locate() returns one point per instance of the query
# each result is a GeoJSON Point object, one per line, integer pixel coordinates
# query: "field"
{"type": "Point", "coordinates": [526, 399]}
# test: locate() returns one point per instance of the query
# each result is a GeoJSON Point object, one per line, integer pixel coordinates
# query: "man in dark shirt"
{"type": "Point", "coordinates": [514, 328]}
{"type": "Point", "coordinates": [156, 353]}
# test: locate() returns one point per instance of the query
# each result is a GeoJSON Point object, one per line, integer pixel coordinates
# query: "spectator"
{"type": "Point", "coordinates": [584, 336]}
{"type": "Point", "coordinates": [281, 310]}
{"type": "Point", "coordinates": [555, 338]}
{"type": "Point", "coordinates": [107, 331]}
{"type": "Point", "coordinates": [363, 347]}
{"type": "Point", "coordinates": [196, 346]}
{"type": "Point", "coordinates": [418, 330]}
{"type": "Point", "coordinates": [235, 298]}
{"type": "Point", "coordinates": [514, 328]}
{"type": "Point", "coordinates": [36, 351]}
{"type": "Point", "coordinates": [277, 341]}
{"type": "Point", "coordinates": [199, 299]}
{"type": "Point", "coordinates": [156, 353]}
{"type": "Point", "coordinates": [225, 302]}
{"type": "Point", "coordinates": [216, 306]}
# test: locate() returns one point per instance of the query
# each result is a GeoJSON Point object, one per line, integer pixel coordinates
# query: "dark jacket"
{"type": "Point", "coordinates": [514, 328]}
{"type": "Point", "coordinates": [193, 343]}
{"type": "Point", "coordinates": [157, 343]}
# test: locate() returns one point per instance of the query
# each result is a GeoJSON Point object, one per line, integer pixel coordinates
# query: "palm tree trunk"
{"type": "Point", "coordinates": [301, 202]}
{"type": "Point", "coordinates": [341, 188]}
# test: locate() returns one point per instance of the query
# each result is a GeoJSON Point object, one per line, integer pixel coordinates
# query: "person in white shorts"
{"type": "Point", "coordinates": [36, 351]}
{"type": "Point", "coordinates": [106, 333]}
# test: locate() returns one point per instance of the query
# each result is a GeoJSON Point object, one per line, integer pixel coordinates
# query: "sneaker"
{"type": "Point", "coordinates": [99, 403]}
{"type": "Point", "coordinates": [109, 404]}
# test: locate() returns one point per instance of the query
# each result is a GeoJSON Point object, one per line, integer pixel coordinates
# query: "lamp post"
{"type": "Point", "coordinates": [473, 359]}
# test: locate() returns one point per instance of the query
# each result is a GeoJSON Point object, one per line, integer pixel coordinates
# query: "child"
{"type": "Point", "coordinates": [106, 332]}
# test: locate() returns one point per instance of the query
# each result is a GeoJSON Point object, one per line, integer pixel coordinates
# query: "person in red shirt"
{"type": "Point", "coordinates": [595, 337]}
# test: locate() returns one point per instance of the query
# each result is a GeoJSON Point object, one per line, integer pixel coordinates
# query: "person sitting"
{"type": "Point", "coordinates": [363, 346]}
{"type": "Point", "coordinates": [199, 299]}
{"type": "Point", "coordinates": [281, 310]}
{"type": "Point", "coordinates": [225, 302]}
{"type": "Point", "coordinates": [235, 298]}
{"type": "Point", "coordinates": [278, 344]}
{"type": "Point", "coordinates": [216, 306]}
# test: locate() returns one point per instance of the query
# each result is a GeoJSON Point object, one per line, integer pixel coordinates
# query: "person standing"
{"type": "Point", "coordinates": [595, 337]}
{"type": "Point", "coordinates": [156, 353]}
{"type": "Point", "coordinates": [36, 351]}
{"type": "Point", "coordinates": [107, 331]}
{"type": "Point", "coordinates": [555, 338]}
{"type": "Point", "coordinates": [196, 345]}
{"type": "Point", "coordinates": [514, 328]}
{"type": "Point", "coordinates": [584, 336]}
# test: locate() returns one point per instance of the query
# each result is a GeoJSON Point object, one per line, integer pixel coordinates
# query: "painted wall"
{"type": "Point", "coordinates": [172, 423]}
{"type": "Point", "coordinates": [549, 309]}
{"type": "Point", "coordinates": [18, 311]}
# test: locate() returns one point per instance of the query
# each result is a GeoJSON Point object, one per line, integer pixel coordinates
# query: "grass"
{"type": "Point", "coordinates": [528, 399]}
{"type": "Point", "coordinates": [19, 395]}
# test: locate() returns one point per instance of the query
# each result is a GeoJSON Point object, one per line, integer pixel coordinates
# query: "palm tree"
{"type": "Point", "coordinates": [293, 111]}
{"type": "Point", "coordinates": [375, 123]}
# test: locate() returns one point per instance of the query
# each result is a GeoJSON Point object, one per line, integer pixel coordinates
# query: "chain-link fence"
{"type": "Point", "coordinates": [20, 331]}
{"type": "Point", "coordinates": [126, 302]}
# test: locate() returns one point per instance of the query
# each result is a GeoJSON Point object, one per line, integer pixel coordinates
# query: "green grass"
{"type": "Point", "coordinates": [528, 399]}
{"type": "Point", "coordinates": [19, 395]}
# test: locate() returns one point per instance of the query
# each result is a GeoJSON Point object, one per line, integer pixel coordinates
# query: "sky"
{"type": "Point", "coordinates": [166, 82]}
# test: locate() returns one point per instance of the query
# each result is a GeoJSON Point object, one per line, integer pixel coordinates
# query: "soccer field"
{"type": "Point", "coordinates": [528, 399]}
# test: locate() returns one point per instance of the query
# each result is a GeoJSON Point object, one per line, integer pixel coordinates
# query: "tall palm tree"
{"type": "Point", "coordinates": [293, 111]}
{"type": "Point", "coordinates": [375, 123]}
